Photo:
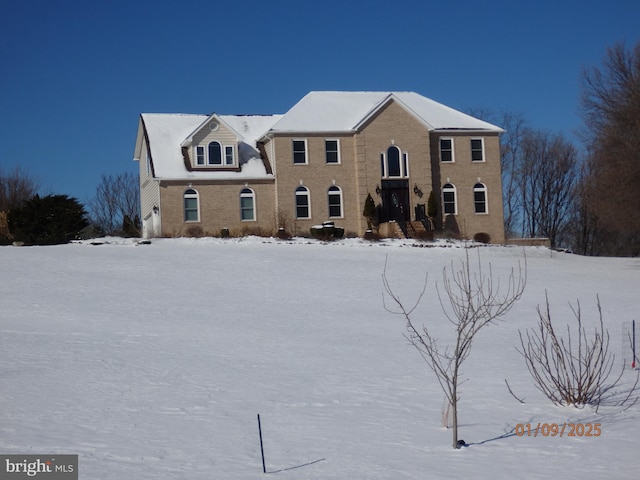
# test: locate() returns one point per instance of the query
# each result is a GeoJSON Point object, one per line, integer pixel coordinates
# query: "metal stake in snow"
{"type": "Point", "coordinates": [633, 343]}
{"type": "Point", "coordinates": [264, 468]}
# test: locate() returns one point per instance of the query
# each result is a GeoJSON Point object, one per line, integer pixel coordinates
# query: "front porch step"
{"type": "Point", "coordinates": [393, 230]}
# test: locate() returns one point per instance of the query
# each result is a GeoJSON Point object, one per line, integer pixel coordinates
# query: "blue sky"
{"type": "Point", "coordinates": [76, 74]}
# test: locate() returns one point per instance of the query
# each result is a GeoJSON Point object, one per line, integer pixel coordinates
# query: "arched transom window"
{"type": "Point", "coordinates": [394, 163]}
{"type": "Point", "coordinates": [449, 204]}
{"type": "Point", "coordinates": [191, 206]}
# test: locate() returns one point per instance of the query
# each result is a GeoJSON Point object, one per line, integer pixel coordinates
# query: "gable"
{"type": "Point", "coordinates": [393, 116]}
{"type": "Point", "coordinates": [322, 112]}
{"type": "Point", "coordinates": [214, 128]}
{"type": "Point", "coordinates": [171, 136]}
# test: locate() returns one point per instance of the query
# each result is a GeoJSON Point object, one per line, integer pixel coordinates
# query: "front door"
{"type": "Point", "coordinates": [395, 201]}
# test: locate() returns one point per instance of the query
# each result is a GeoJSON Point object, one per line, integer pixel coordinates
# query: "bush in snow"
{"type": "Point", "coordinates": [574, 370]}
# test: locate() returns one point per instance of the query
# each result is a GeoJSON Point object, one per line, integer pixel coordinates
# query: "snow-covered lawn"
{"type": "Point", "coordinates": [152, 361]}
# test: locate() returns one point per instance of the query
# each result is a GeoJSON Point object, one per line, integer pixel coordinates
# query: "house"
{"type": "Point", "coordinates": [202, 174]}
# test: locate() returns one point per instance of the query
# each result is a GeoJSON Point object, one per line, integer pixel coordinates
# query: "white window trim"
{"type": "Point", "coordinates": [455, 199]}
{"type": "Point", "coordinates": [484, 156]}
{"type": "Point", "coordinates": [308, 195]}
{"type": "Point", "coordinates": [486, 199]}
{"type": "Point", "coordinates": [252, 195]}
{"type": "Point", "coordinates": [233, 155]}
{"type": "Point", "coordinates": [404, 165]}
{"type": "Point", "coordinates": [337, 140]}
{"type": "Point", "coordinates": [453, 150]}
{"type": "Point", "coordinates": [337, 194]}
{"type": "Point", "coordinates": [306, 151]}
{"type": "Point", "coordinates": [197, 197]}
{"type": "Point", "coordinates": [223, 153]}
{"type": "Point", "coordinates": [204, 155]}
{"type": "Point", "coordinates": [215, 165]}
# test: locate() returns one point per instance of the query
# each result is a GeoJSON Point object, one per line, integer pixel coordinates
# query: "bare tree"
{"type": "Point", "coordinates": [611, 112]}
{"type": "Point", "coordinates": [510, 157]}
{"type": "Point", "coordinates": [547, 175]}
{"type": "Point", "coordinates": [471, 299]}
{"type": "Point", "coordinates": [16, 187]}
{"type": "Point", "coordinates": [575, 370]}
{"type": "Point", "coordinates": [586, 234]}
{"type": "Point", "coordinates": [116, 203]}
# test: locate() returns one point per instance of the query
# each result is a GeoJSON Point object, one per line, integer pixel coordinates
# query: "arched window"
{"type": "Point", "coordinates": [215, 153]}
{"type": "Point", "coordinates": [335, 202]}
{"type": "Point", "coordinates": [247, 205]}
{"type": "Point", "coordinates": [394, 163]}
{"type": "Point", "coordinates": [191, 209]}
{"type": "Point", "coordinates": [302, 203]}
{"type": "Point", "coordinates": [480, 198]}
{"type": "Point", "coordinates": [449, 206]}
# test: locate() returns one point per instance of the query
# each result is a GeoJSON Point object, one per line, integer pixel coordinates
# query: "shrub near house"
{"type": "Point", "coordinates": [49, 220]}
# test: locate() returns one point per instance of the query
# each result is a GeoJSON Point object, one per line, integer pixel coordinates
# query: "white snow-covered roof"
{"type": "Point", "coordinates": [167, 132]}
{"type": "Point", "coordinates": [346, 111]}
{"type": "Point", "coordinates": [316, 112]}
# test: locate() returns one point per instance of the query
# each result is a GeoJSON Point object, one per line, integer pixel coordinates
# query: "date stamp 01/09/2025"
{"type": "Point", "coordinates": [558, 430]}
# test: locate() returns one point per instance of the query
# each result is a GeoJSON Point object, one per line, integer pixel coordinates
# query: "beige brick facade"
{"type": "Point", "coordinates": [393, 154]}
{"type": "Point", "coordinates": [218, 208]}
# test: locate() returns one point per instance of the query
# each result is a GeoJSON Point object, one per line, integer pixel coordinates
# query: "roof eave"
{"type": "Point", "coordinates": [293, 133]}
{"type": "Point", "coordinates": [468, 130]}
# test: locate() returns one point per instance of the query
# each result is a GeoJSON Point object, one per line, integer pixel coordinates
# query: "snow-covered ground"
{"type": "Point", "coordinates": [152, 361]}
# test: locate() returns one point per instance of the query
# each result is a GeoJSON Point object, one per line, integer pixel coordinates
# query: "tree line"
{"type": "Point", "coordinates": [582, 197]}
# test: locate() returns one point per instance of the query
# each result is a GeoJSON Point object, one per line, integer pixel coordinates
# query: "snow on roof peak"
{"type": "Point", "coordinates": [340, 111]}
{"type": "Point", "coordinates": [316, 112]}
{"type": "Point", "coordinates": [168, 131]}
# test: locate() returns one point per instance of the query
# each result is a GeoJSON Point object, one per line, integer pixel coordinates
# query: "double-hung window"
{"type": "Point", "coordinates": [300, 152]}
{"type": "Point", "coordinates": [200, 155]}
{"type": "Point", "coordinates": [191, 210]}
{"type": "Point", "coordinates": [228, 155]}
{"type": "Point", "coordinates": [480, 198]}
{"type": "Point", "coordinates": [247, 205]}
{"type": "Point", "coordinates": [449, 199]}
{"type": "Point", "coordinates": [332, 151]}
{"type": "Point", "coordinates": [302, 203]}
{"type": "Point", "coordinates": [335, 202]}
{"type": "Point", "coordinates": [446, 150]}
{"type": "Point", "coordinates": [477, 150]}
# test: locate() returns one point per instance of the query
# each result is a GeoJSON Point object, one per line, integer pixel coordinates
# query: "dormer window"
{"type": "Point", "coordinates": [199, 155]}
{"type": "Point", "coordinates": [228, 155]}
{"type": "Point", "coordinates": [215, 155]}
